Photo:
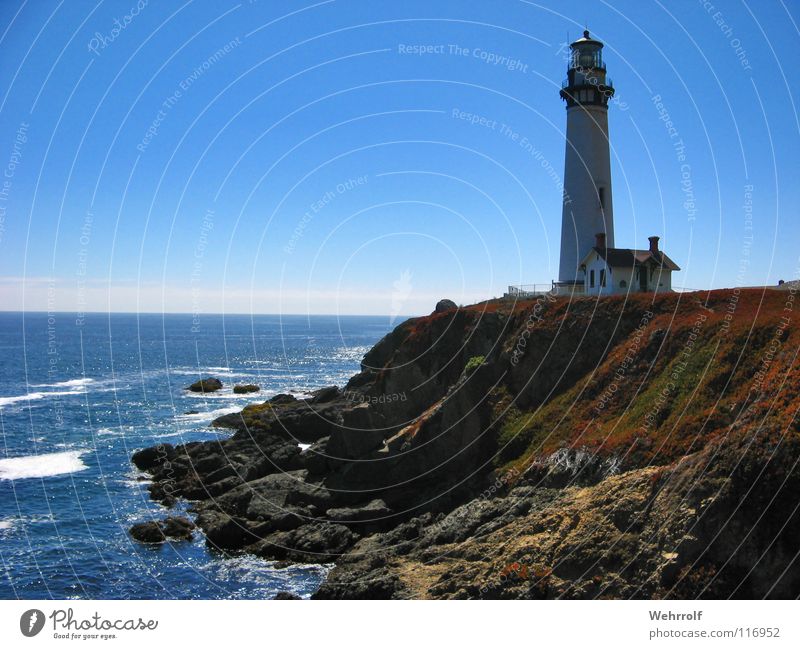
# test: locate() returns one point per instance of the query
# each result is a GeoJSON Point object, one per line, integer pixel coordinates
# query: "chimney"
{"type": "Point", "coordinates": [600, 240]}
{"type": "Point", "coordinates": [653, 243]}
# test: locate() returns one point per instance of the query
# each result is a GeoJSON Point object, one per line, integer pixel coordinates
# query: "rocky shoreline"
{"type": "Point", "coordinates": [515, 451]}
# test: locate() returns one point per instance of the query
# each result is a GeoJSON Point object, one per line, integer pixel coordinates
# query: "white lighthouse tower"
{"type": "Point", "coordinates": [587, 206]}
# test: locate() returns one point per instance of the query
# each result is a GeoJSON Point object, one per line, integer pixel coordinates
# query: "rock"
{"type": "Point", "coordinates": [209, 384]}
{"type": "Point", "coordinates": [324, 395]}
{"type": "Point", "coordinates": [302, 420]}
{"type": "Point", "coordinates": [372, 587]}
{"type": "Point", "coordinates": [356, 437]}
{"type": "Point", "coordinates": [177, 527]}
{"type": "Point", "coordinates": [315, 458]}
{"type": "Point", "coordinates": [174, 527]}
{"type": "Point", "coordinates": [372, 510]}
{"type": "Point", "coordinates": [149, 458]}
{"type": "Point", "coordinates": [282, 399]}
{"type": "Point", "coordinates": [284, 595]}
{"type": "Point", "coordinates": [314, 543]}
{"type": "Point", "coordinates": [246, 388]}
{"type": "Point", "coordinates": [225, 532]}
{"type": "Point", "coordinates": [192, 412]}
{"type": "Point", "coordinates": [445, 305]}
{"type": "Point", "coordinates": [149, 532]}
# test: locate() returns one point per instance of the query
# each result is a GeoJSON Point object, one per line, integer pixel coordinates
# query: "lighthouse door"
{"type": "Point", "coordinates": [643, 278]}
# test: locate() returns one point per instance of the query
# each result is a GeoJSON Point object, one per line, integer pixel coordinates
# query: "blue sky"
{"type": "Point", "coordinates": [302, 157]}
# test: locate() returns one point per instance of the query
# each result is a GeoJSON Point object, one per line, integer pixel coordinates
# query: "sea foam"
{"type": "Point", "coordinates": [41, 466]}
{"type": "Point", "coordinates": [203, 416]}
{"type": "Point", "coordinates": [35, 396]}
{"type": "Point", "coordinates": [72, 383]}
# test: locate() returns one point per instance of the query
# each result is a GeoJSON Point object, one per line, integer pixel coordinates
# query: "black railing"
{"type": "Point", "coordinates": [608, 83]}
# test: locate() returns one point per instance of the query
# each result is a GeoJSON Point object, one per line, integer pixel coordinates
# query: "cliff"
{"type": "Point", "coordinates": [623, 447]}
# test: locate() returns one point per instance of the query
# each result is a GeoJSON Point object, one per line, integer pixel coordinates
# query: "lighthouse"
{"type": "Point", "coordinates": [587, 208]}
{"type": "Point", "coordinates": [590, 264]}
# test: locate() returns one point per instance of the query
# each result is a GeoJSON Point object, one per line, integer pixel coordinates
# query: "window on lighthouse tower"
{"type": "Point", "coordinates": [601, 196]}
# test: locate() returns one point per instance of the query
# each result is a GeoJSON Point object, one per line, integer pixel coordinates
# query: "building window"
{"type": "Point", "coordinates": [602, 277]}
{"type": "Point", "coordinates": [591, 278]}
{"type": "Point", "coordinates": [601, 196]}
{"type": "Point", "coordinates": [622, 283]}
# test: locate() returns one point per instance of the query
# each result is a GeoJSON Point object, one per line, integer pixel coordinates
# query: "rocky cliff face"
{"type": "Point", "coordinates": [640, 447]}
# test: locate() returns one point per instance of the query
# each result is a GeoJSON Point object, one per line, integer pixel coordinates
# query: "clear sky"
{"type": "Point", "coordinates": [322, 157]}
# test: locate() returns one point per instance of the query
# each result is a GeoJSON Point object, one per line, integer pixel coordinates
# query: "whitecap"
{"type": "Point", "coordinates": [72, 383]}
{"type": "Point", "coordinates": [6, 525]}
{"type": "Point", "coordinates": [203, 416]}
{"type": "Point", "coordinates": [41, 466]}
{"type": "Point", "coordinates": [35, 396]}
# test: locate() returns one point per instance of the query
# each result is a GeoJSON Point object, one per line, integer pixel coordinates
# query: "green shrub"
{"type": "Point", "coordinates": [473, 364]}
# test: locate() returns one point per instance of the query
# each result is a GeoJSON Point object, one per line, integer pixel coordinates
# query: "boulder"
{"type": "Point", "coordinates": [177, 527]}
{"type": "Point", "coordinates": [174, 527]}
{"type": "Point", "coordinates": [148, 458]}
{"type": "Point", "coordinates": [283, 399]}
{"type": "Point", "coordinates": [149, 532]}
{"type": "Point", "coordinates": [225, 532]}
{"type": "Point", "coordinates": [324, 395]}
{"type": "Point", "coordinates": [357, 436]}
{"type": "Point", "coordinates": [445, 305]}
{"type": "Point", "coordinates": [315, 457]}
{"type": "Point", "coordinates": [209, 384]}
{"type": "Point", "coordinates": [246, 388]}
{"type": "Point", "coordinates": [314, 543]}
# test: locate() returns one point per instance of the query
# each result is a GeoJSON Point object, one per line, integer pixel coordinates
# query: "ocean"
{"type": "Point", "coordinates": [78, 397]}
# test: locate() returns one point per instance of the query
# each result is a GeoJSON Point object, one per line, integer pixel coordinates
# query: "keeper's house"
{"type": "Point", "coordinates": [625, 270]}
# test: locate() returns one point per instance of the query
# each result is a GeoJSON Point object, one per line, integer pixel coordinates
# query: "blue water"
{"type": "Point", "coordinates": [76, 399]}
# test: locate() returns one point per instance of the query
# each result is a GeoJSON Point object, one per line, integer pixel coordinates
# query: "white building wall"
{"type": "Point", "coordinates": [660, 281]}
{"type": "Point", "coordinates": [626, 275]}
{"type": "Point", "coordinates": [595, 265]}
{"type": "Point", "coordinates": [621, 279]}
{"type": "Point", "coordinates": [587, 169]}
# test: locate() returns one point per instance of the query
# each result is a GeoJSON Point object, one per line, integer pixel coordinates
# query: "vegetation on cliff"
{"type": "Point", "coordinates": [639, 446]}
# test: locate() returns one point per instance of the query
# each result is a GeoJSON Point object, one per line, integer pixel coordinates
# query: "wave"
{"type": "Point", "coordinates": [35, 396]}
{"type": "Point", "coordinates": [6, 525]}
{"type": "Point", "coordinates": [41, 466]}
{"type": "Point", "coordinates": [203, 416]}
{"type": "Point", "coordinates": [116, 431]}
{"type": "Point", "coordinates": [72, 383]}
